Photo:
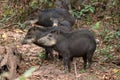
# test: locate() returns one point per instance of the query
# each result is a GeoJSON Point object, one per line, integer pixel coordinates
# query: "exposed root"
{"type": "Point", "coordinates": [11, 58]}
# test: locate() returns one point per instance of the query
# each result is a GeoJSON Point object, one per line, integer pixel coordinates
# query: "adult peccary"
{"type": "Point", "coordinates": [31, 37]}
{"type": "Point", "coordinates": [79, 43]}
{"type": "Point", "coordinates": [36, 32]}
{"type": "Point", "coordinates": [48, 18]}
{"type": "Point", "coordinates": [44, 17]}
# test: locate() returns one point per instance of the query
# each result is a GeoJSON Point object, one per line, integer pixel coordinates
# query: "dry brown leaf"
{"type": "Point", "coordinates": [18, 31]}
{"type": "Point", "coordinates": [4, 35]}
{"type": "Point", "coordinates": [115, 70]}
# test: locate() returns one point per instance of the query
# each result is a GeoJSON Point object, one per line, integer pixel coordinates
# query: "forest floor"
{"type": "Point", "coordinates": [53, 70]}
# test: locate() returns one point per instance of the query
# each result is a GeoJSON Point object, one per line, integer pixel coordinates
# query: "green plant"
{"type": "Point", "coordinates": [20, 25]}
{"type": "Point", "coordinates": [82, 71]}
{"type": "Point", "coordinates": [33, 4]}
{"type": "Point", "coordinates": [109, 36]}
{"type": "Point", "coordinates": [97, 25]}
{"type": "Point", "coordinates": [87, 8]}
{"type": "Point", "coordinates": [105, 52]}
{"type": "Point", "coordinates": [27, 73]}
{"type": "Point", "coordinates": [7, 13]}
{"type": "Point", "coordinates": [117, 34]}
{"type": "Point", "coordinates": [46, 3]}
{"type": "Point", "coordinates": [11, 14]}
{"type": "Point", "coordinates": [113, 2]}
{"type": "Point", "coordinates": [118, 74]}
{"type": "Point", "coordinates": [42, 55]}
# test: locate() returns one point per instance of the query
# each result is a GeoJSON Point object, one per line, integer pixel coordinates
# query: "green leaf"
{"type": "Point", "coordinates": [92, 9]}
{"type": "Point", "coordinates": [82, 71]}
{"type": "Point", "coordinates": [97, 25]}
{"type": "Point", "coordinates": [42, 55]}
{"type": "Point", "coordinates": [29, 72]}
{"type": "Point", "coordinates": [22, 78]}
{"type": "Point", "coordinates": [33, 4]}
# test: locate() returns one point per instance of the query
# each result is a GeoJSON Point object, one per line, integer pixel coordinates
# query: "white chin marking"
{"type": "Point", "coordinates": [50, 43]}
{"type": "Point", "coordinates": [47, 42]}
{"type": "Point", "coordinates": [30, 40]}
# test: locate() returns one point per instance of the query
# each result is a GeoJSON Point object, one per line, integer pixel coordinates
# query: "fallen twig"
{"type": "Point", "coordinates": [75, 70]}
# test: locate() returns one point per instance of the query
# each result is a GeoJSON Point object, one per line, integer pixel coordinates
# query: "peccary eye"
{"type": "Point", "coordinates": [28, 37]}
{"type": "Point", "coordinates": [50, 35]}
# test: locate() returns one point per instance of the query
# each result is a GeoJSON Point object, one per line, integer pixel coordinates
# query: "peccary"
{"type": "Point", "coordinates": [36, 32]}
{"type": "Point", "coordinates": [44, 17]}
{"type": "Point", "coordinates": [79, 43]}
{"type": "Point", "coordinates": [31, 37]}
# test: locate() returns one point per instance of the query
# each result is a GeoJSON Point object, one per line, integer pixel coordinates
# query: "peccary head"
{"type": "Point", "coordinates": [48, 40]}
{"type": "Point", "coordinates": [32, 35]}
{"type": "Point", "coordinates": [53, 36]}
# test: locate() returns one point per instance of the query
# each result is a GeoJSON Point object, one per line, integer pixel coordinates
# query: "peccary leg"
{"type": "Point", "coordinates": [65, 64]}
{"type": "Point", "coordinates": [89, 57]}
{"type": "Point", "coordinates": [46, 53]}
{"type": "Point", "coordinates": [69, 65]}
{"type": "Point", "coordinates": [60, 57]}
{"type": "Point", "coordinates": [51, 54]}
{"type": "Point", "coordinates": [66, 61]}
{"type": "Point", "coordinates": [49, 51]}
{"type": "Point", "coordinates": [85, 61]}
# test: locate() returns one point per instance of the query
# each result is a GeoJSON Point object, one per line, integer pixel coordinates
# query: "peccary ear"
{"type": "Point", "coordinates": [61, 19]}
